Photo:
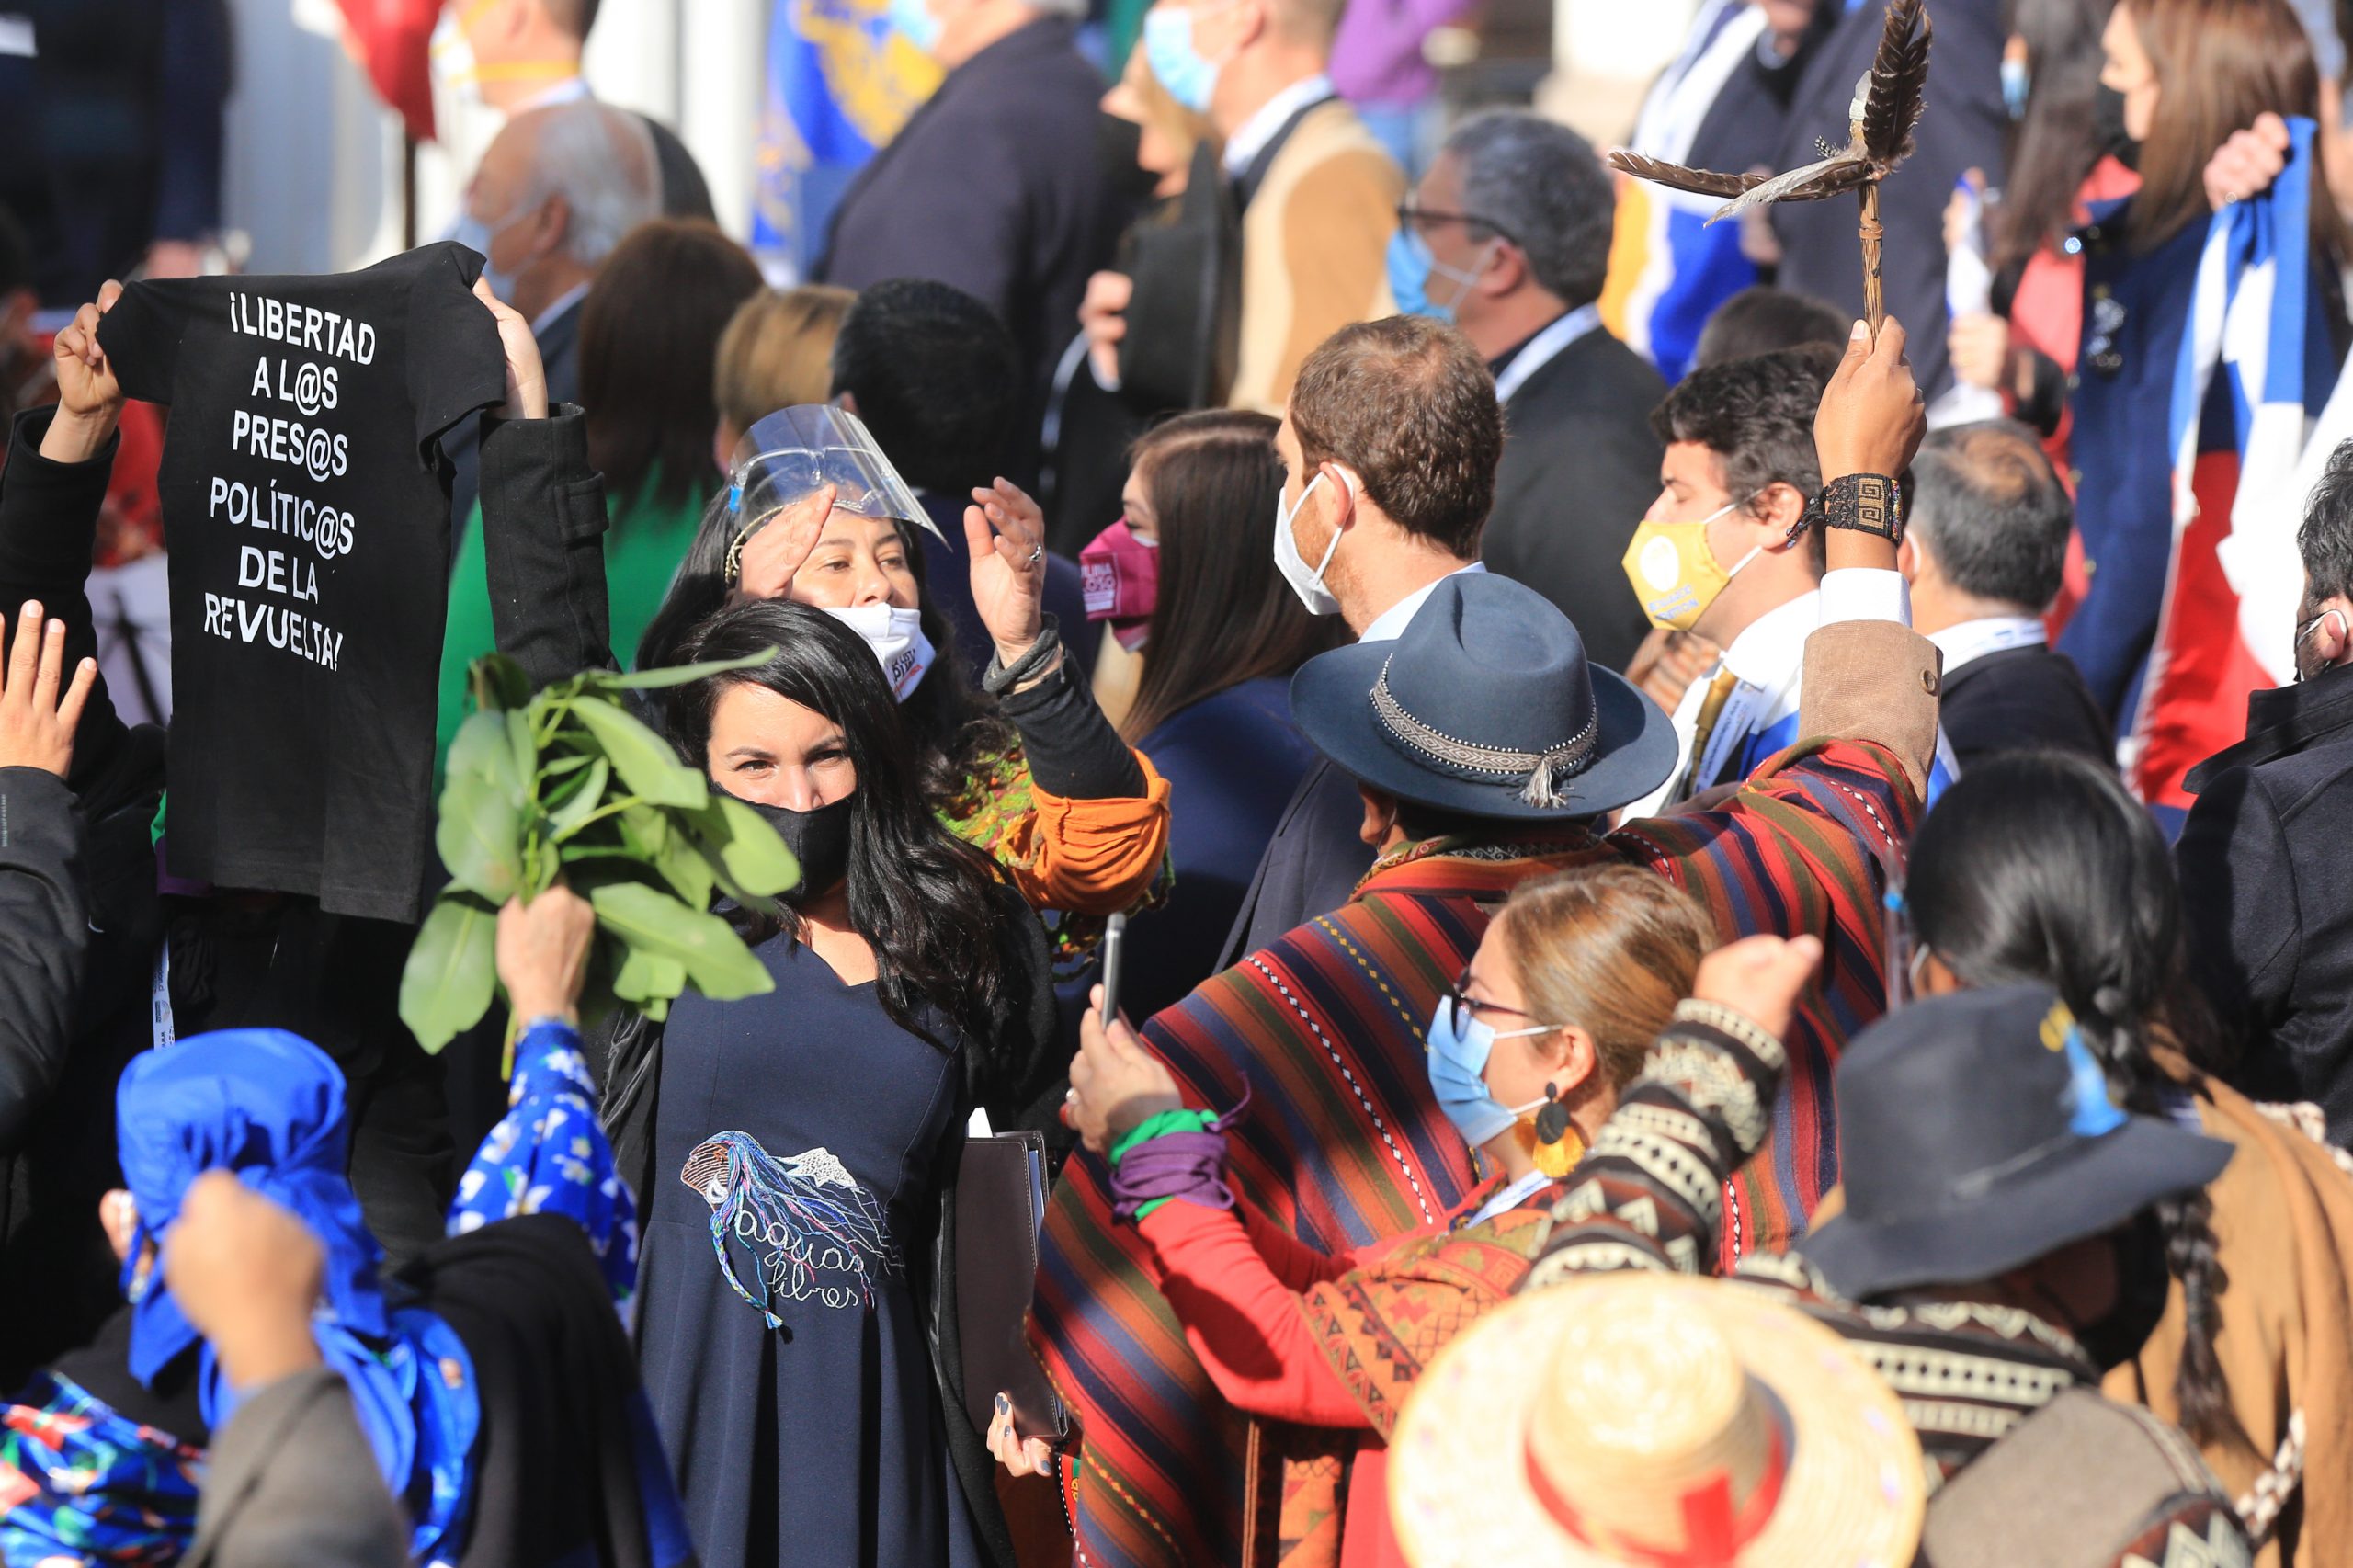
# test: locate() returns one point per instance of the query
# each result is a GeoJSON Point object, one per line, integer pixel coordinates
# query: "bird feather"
{"type": "Point", "coordinates": [1810, 183]}
{"type": "Point", "coordinates": [1700, 182]}
{"type": "Point", "coordinates": [1899, 72]}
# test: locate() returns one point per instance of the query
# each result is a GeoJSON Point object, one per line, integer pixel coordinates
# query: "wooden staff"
{"type": "Point", "coordinates": [1874, 292]}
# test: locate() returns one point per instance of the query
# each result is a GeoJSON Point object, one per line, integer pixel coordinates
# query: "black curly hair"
{"type": "Point", "coordinates": [1756, 416]}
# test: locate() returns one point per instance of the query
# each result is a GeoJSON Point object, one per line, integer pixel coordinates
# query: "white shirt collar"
{"type": "Point", "coordinates": [1274, 114]}
{"type": "Point", "coordinates": [1545, 347]}
{"type": "Point", "coordinates": [1771, 650]}
{"type": "Point", "coordinates": [1969, 639]}
{"type": "Point", "coordinates": [557, 306]}
{"type": "Point", "coordinates": [1391, 623]}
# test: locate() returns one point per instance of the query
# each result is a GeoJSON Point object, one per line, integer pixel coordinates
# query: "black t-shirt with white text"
{"type": "Point", "coordinates": [306, 511]}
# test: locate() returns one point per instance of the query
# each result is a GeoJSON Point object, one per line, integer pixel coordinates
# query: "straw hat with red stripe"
{"type": "Point", "coordinates": [1657, 1420]}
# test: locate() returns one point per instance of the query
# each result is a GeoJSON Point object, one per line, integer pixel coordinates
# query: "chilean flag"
{"type": "Point", "coordinates": [2255, 366]}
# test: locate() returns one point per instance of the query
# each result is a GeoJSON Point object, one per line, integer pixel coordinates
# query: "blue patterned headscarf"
{"type": "Point", "coordinates": [268, 1106]}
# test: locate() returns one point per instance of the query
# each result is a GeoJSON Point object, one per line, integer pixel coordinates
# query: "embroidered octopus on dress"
{"type": "Point", "coordinates": [816, 1232]}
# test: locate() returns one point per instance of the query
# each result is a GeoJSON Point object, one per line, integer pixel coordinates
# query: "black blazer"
{"type": "Point", "coordinates": [994, 185]}
{"type": "Point", "coordinates": [1963, 129]}
{"type": "Point", "coordinates": [2266, 892]}
{"type": "Point", "coordinates": [2022, 699]}
{"type": "Point", "coordinates": [1311, 864]}
{"type": "Point", "coordinates": [1580, 468]}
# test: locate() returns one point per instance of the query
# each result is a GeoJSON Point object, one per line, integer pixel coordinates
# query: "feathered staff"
{"type": "Point", "coordinates": [1886, 109]}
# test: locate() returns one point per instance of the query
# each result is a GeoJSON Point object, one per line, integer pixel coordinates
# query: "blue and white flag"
{"type": "Point", "coordinates": [2256, 366]}
{"type": "Point", "coordinates": [841, 80]}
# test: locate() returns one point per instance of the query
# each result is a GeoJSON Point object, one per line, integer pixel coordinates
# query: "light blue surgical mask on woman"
{"type": "Point", "coordinates": [1168, 50]}
{"type": "Point", "coordinates": [1460, 1044]}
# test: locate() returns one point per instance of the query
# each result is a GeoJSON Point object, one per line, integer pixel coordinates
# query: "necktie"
{"type": "Point", "coordinates": [1712, 708]}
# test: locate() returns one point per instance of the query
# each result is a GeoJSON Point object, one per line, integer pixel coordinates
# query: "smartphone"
{"type": "Point", "coordinates": [1115, 941]}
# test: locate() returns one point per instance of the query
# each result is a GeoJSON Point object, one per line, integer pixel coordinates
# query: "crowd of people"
{"type": "Point", "coordinates": [1562, 864]}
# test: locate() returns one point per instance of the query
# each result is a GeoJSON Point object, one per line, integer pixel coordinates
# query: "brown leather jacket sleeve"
{"type": "Point", "coordinates": [1874, 681]}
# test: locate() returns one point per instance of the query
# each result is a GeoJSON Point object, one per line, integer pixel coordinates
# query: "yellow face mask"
{"type": "Point", "coordinates": [1674, 573]}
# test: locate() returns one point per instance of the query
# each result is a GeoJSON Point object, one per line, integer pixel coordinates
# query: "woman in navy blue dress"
{"type": "Point", "coordinates": [1213, 707]}
{"type": "Point", "coordinates": [792, 1152]}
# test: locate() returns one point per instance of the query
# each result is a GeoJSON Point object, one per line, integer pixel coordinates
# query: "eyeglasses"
{"type": "Point", "coordinates": [1422, 220]}
{"type": "Point", "coordinates": [1464, 1002]}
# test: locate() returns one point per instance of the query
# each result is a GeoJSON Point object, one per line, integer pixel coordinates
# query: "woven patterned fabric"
{"type": "Point", "coordinates": [1344, 1144]}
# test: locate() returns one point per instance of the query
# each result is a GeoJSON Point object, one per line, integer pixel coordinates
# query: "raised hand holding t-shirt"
{"type": "Point", "coordinates": [306, 511]}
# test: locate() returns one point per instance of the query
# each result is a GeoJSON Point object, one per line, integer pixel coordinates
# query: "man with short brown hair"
{"type": "Point", "coordinates": [1392, 440]}
{"type": "Point", "coordinates": [1404, 413]}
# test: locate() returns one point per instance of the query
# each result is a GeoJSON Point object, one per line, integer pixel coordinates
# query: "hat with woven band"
{"type": "Point", "coordinates": [1486, 705]}
{"type": "Point", "coordinates": [1657, 1420]}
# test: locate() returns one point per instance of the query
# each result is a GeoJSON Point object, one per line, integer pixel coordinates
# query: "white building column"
{"type": "Point", "coordinates": [722, 72]}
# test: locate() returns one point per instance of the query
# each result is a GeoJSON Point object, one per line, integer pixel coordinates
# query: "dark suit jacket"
{"type": "Point", "coordinates": [1311, 864]}
{"type": "Point", "coordinates": [292, 1483]}
{"type": "Point", "coordinates": [2021, 700]}
{"type": "Point", "coordinates": [994, 186]}
{"type": "Point", "coordinates": [1580, 468]}
{"type": "Point", "coordinates": [113, 133]}
{"type": "Point", "coordinates": [2267, 888]}
{"type": "Point", "coordinates": [1963, 128]}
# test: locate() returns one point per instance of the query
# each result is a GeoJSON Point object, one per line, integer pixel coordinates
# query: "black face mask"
{"type": "Point", "coordinates": [2142, 1285]}
{"type": "Point", "coordinates": [819, 839]}
{"type": "Point", "coordinates": [2108, 129]}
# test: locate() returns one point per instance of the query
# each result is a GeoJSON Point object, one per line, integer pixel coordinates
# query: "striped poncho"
{"type": "Point", "coordinates": [1343, 1143]}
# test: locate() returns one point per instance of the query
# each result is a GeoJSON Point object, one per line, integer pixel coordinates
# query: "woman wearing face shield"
{"type": "Point", "coordinates": [1026, 768]}
{"type": "Point", "coordinates": [795, 1152]}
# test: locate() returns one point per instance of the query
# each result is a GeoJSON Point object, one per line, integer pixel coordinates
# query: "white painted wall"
{"type": "Point", "coordinates": [1605, 53]}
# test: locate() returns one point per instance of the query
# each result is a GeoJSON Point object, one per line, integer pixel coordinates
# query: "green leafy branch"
{"type": "Point", "coordinates": [568, 783]}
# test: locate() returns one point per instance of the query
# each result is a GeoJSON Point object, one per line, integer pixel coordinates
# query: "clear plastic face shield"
{"type": "Point", "coordinates": [795, 452]}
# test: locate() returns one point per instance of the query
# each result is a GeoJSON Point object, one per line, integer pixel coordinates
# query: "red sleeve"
{"type": "Point", "coordinates": [1241, 1319]}
{"type": "Point", "coordinates": [1291, 1261]}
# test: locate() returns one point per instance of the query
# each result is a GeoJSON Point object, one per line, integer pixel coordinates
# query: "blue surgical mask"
{"type": "Point", "coordinates": [915, 23]}
{"type": "Point", "coordinates": [1168, 50]}
{"type": "Point", "coordinates": [1460, 1045]}
{"type": "Point", "coordinates": [1411, 266]}
{"type": "Point", "coordinates": [477, 235]}
{"type": "Point", "coordinates": [2016, 83]}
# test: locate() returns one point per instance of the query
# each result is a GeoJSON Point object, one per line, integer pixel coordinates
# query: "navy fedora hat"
{"type": "Point", "coordinates": [1976, 1134]}
{"type": "Point", "coordinates": [1485, 706]}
